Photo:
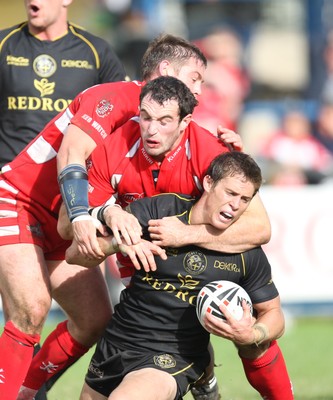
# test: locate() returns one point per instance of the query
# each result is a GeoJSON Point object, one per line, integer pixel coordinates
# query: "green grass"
{"type": "Point", "coordinates": [307, 350]}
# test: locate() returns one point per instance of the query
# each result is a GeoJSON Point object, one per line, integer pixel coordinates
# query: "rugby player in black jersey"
{"type": "Point", "coordinates": [154, 347]}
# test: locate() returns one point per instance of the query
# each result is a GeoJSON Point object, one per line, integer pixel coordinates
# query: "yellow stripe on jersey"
{"type": "Point", "coordinates": [243, 263]}
{"type": "Point", "coordinates": [93, 49]}
{"type": "Point", "coordinates": [12, 33]}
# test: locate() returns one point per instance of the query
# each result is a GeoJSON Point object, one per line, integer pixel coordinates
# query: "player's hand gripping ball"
{"type": "Point", "coordinates": [217, 292]}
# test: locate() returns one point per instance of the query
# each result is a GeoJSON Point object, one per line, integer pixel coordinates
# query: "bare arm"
{"type": "Point", "coordinates": [268, 326]}
{"type": "Point", "coordinates": [75, 148]}
{"type": "Point", "coordinates": [141, 254]}
{"type": "Point", "coordinates": [252, 229]}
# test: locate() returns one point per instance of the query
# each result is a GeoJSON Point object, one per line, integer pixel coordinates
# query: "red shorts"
{"type": "Point", "coordinates": [23, 220]}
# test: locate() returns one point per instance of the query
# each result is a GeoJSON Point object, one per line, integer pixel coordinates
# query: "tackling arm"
{"type": "Point", "coordinates": [75, 148]}
{"type": "Point", "coordinates": [251, 230]}
{"type": "Point", "coordinates": [141, 254]}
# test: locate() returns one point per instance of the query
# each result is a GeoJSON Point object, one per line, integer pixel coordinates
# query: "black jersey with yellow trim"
{"type": "Point", "coordinates": [157, 310]}
{"type": "Point", "coordinates": [39, 78]}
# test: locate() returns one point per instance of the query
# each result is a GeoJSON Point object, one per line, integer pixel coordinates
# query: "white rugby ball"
{"type": "Point", "coordinates": [217, 292]}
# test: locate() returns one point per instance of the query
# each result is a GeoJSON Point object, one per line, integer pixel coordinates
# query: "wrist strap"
{"type": "Point", "coordinates": [263, 334]}
{"type": "Point", "coordinates": [98, 212]}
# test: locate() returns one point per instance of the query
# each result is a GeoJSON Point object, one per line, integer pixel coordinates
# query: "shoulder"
{"type": "Point", "coordinates": [204, 146]}
{"type": "Point", "coordinates": [256, 257]}
{"type": "Point", "coordinates": [200, 134]}
{"type": "Point", "coordinates": [255, 253]}
{"type": "Point", "coordinates": [8, 32]}
{"type": "Point", "coordinates": [164, 204]}
{"type": "Point", "coordinates": [83, 33]}
{"type": "Point", "coordinates": [110, 89]}
{"type": "Point", "coordinates": [172, 203]}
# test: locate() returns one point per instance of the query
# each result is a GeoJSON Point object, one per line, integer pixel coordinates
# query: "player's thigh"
{"type": "Point", "coordinates": [83, 294]}
{"type": "Point", "coordinates": [89, 394]}
{"type": "Point", "coordinates": [24, 284]}
{"type": "Point", "coordinates": [146, 384]}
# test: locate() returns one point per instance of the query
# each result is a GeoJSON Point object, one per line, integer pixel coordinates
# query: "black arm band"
{"type": "Point", "coordinates": [100, 214]}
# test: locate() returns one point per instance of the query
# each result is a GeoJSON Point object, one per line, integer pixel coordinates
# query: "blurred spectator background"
{"type": "Point", "coordinates": [292, 155]}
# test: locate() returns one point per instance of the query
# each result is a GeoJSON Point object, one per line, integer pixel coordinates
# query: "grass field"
{"type": "Point", "coordinates": [307, 348]}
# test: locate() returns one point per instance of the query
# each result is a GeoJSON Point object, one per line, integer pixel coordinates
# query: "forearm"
{"type": "Point", "coordinates": [72, 174]}
{"type": "Point", "coordinates": [269, 327]}
{"type": "Point", "coordinates": [251, 230]}
{"type": "Point", "coordinates": [269, 324]}
{"type": "Point", "coordinates": [107, 244]}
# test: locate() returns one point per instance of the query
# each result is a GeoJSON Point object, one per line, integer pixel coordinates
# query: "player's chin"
{"type": "Point", "coordinates": [221, 222]}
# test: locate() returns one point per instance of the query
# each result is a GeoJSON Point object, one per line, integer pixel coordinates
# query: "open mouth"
{"type": "Point", "coordinates": [151, 143]}
{"type": "Point", "coordinates": [33, 9]}
{"type": "Point", "coordinates": [226, 215]}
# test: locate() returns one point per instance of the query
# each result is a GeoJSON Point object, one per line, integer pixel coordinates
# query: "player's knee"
{"type": "Point", "coordinates": [88, 332]}
{"type": "Point", "coordinates": [31, 317]}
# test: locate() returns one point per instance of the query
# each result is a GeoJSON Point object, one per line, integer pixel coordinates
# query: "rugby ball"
{"type": "Point", "coordinates": [217, 292]}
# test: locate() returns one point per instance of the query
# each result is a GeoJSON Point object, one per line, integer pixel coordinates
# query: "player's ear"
{"type": "Point", "coordinates": [207, 183]}
{"type": "Point", "coordinates": [185, 121]}
{"type": "Point", "coordinates": [165, 68]}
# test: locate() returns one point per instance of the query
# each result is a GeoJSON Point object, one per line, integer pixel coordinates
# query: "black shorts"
{"type": "Point", "coordinates": [110, 364]}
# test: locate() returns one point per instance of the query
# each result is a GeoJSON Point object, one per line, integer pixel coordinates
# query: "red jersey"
{"type": "Point", "coordinates": [98, 111]}
{"type": "Point", "coordinates": [121, 166]}
{"type": "Point", "coordinates": [132, 174]}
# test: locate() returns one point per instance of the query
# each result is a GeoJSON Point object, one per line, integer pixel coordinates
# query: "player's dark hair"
{"type": "Point", "coordinates": [235, 163]}
{"type": "Point", "coordinates": [172, 48]}
{"type": "Point", "coordinates": [167, 88]}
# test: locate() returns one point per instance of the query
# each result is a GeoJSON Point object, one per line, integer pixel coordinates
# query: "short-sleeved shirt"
{"type": "Point", "coordinates": [157, 311]}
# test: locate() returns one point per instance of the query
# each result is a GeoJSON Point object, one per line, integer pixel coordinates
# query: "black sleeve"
{"type": "Point", "coordinates": [111, 68]}
{"type": "Point", "coordinates": [257, 280]}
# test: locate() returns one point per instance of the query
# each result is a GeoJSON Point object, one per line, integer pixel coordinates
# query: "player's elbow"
{"type": "Point", "coordinates": [265, 232]}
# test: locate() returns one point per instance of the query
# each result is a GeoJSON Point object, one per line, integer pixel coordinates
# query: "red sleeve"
{"type": "Point", "coordinates": [101, 109]}
{"type": "Point", "coordinates": [100, 189]}
{"type": "Point", "coordinates": [204, 148]}
{"type": "Point", "coordinates": [108, 161]}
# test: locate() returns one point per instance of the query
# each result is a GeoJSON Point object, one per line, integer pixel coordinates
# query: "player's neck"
{"type": "Point", "coordinates": [51, 33]}
{"type": "Point", "coordinates": [197, 214]}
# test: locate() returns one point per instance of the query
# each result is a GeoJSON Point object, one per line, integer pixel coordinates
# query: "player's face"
{"type": "Point", "coordinates": [192, 74]}
{"type": "Point", "coordinates": [43, 14]}
{"type": "Point", "coordinates": [160, 127]}
{"type": "Point", "coordinates": [227, 200]}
